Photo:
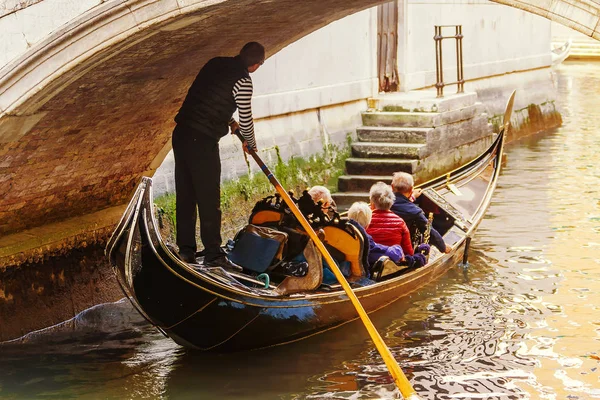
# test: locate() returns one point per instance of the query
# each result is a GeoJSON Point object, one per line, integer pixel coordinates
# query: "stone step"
{"type": "Point", "coordinates": [418, 119]}
{"type": "Point", "coordinates": [379, 166]}
{"type": "Point", "coordinates": [584, 53]}
{"type": "Point", "coordinates": [559, 42]}
{"type": "Point", "coordinates": [581, 48]}
{"type": "Point", "coordinates": [388, 150]}
{"type": "Point", "coordinates": [584, 56]}
{"type": "Point", "coordinates": [360, 183]}
{"type": "Point", "coordinates": [424, 101]}
{"type": "Point", "coordinates": [344, 200]}
{"type": "Point", "coordinates": [585, 45]}
{"type": "Point", "coordinates": [392, 134]}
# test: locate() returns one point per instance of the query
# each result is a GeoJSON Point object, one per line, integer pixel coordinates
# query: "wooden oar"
{"type": "Point", "coordinates": [399, 378]}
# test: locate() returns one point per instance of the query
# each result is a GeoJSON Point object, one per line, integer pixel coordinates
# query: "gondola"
{"type": "Point", "coordinates": [213, 309]}
{"type": "Point", "coordinates": [561, 53]}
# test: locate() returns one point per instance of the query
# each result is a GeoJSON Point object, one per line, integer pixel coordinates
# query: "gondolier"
{"type": "Point", "coordinates": [222, 86]}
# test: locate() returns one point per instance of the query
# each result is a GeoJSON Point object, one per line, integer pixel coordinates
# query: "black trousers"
{"type": "Point", "coordinates": [198, 191]}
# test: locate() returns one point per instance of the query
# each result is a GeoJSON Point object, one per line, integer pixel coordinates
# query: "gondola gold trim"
{"type": "Point", "coordinates": [399, 281]}
{"type": "Point", "coordinates": [192, 314]}
{"type": "Point", "coordinates": [313, 297]}
{"type": "Point", "coordinates": [232, 335]}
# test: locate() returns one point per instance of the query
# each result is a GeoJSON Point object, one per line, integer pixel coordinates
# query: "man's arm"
{"type": "Point", "coordinates": [242, 93]}
{"type": "Point", "coordinates": [438, 241]}
{"type": "Point", "coordinates": [421, 222]}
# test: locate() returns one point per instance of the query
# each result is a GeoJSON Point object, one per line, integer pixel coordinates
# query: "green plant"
{"type": "Point", "coordinates": [392, 108]}
{"type": "Point", "coordinates": [238, 196]}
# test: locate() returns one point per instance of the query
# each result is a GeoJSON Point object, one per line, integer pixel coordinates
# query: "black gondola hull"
{"type": "Point", "coordinates": [209, 309]}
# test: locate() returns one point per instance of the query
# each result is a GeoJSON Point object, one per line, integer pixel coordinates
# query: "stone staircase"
{"type": "Point", "coordinates": [414, 132]}
{"type": "Point", "coordinates": [582, 46]}
{"type": "Point", "coordinates": [586, 48]}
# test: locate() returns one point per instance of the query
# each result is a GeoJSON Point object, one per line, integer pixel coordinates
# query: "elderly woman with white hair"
{"type": "Point", "coordinates": [386, 227]}
{"type": "Point", "coordinates": [323, 195]}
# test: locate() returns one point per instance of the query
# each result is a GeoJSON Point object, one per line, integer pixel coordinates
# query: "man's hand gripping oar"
{"type": "Point", "coordinates": [235, 130]}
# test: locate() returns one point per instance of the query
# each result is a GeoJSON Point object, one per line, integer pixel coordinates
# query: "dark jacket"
{"type": "Point", "coordinates": [416, 220]}
{"type": "Point", "coordinates": [209, 103]}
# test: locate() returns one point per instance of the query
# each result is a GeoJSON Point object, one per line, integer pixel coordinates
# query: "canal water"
{"type": "Point", "coordinates": [522, 321]}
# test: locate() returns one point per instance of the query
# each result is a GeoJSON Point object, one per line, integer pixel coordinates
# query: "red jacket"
{"type": "Point", "coordinates": [389, 229]}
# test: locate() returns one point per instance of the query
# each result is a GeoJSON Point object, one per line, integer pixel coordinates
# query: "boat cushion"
{"type": "Point", "coordinates": [266, 217]}
{"type": "Point", "coordinates": [256, 248]}
{"type": "Point", "coordinates": [349, 242]}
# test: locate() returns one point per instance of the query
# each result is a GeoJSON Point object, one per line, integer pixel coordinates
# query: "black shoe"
{"type": "Point", "coordinates": [224, 263]}
{"type": "Point", "coordinates": [188, 258]}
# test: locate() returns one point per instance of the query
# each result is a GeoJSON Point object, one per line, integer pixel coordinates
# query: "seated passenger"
{"type": "Point", "coordinates": [360, 215]}
{"type": "Point", "coordinates": [386, 227]}
{"type": "Point", "coordinates": [322, 194]}
{"type": "Point", "coordinates": [411, 213]}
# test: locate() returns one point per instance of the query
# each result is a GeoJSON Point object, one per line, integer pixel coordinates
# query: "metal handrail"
{"type": "Point", "coordinates": [439, 68]}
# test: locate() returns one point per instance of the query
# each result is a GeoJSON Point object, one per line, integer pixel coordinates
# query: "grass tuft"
{"type": "Point", "coordinates": [238, 196]}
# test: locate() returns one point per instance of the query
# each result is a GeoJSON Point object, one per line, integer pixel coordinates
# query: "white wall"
{"type": "Point", "coordinates": [497, 40]}
{"type": "Point", "coordinates": [333, 65]}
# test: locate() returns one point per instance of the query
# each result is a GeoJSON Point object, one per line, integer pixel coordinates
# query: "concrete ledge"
{"type": "Point", "coordinates": [37, 244]}
{"type": "Point", "coordinates": [374, 166]}
{"type": "Point", "coordinates": [344, 200]}
{"type": "Point", "coordinates": [388, 150]}
{"type": "Point", "coordinates": [424, 101]}
{"type": "Point", "coordinates": [419, 119]}
{"type": "Point", "coordinates": [361, 183]}
{"type": "Point", "coordinates": [392, 134]}
{"type": "Point", "coordinates": [533, 119]}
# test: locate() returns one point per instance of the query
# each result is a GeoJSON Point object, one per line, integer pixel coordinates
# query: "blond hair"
{"type": "Point", "coordinates": [361, 213]}
{"type": "Point", "coordinates": [382, 196]}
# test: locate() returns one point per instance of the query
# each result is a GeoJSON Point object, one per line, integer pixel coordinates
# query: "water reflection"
{"type": "Point", "coordinates": [521, 322]}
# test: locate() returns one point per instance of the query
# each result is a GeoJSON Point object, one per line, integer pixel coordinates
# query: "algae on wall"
{"type": "Point", "coordinates": [529, 120]}
{"type": "Point", "coordinates": [238, 196]}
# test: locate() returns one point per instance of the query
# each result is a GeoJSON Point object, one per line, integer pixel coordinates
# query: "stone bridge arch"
{"type": "Point", "coordinates": [87, 110]}
{"type": "Point", "coordinates": [580, 15]}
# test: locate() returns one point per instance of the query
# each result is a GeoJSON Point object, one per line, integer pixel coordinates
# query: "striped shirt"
{"type": "Point", "coordinates": [242, 93]}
